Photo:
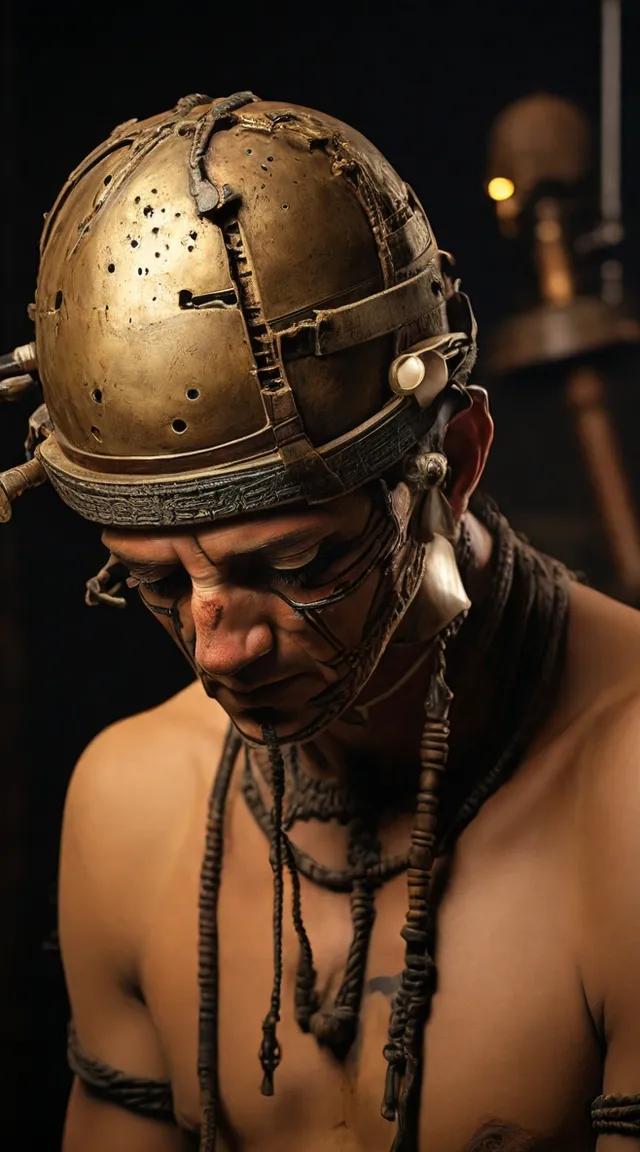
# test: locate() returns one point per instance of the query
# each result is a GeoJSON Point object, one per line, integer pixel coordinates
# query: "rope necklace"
{"type": "Point", "coordinates": [521, 619]}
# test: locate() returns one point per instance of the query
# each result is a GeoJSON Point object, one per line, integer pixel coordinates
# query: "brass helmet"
{"type": "Point", "coordinates": [239, 305]}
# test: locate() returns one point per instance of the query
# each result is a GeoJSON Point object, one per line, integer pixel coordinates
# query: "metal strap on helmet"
{"type": "Point", "coordinates": [332, 330]}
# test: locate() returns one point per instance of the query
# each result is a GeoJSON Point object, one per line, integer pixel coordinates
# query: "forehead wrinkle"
{"type": "Point", "coordinates": [152, 548]}
{"type": "Point", "coordinates": [326, 522]}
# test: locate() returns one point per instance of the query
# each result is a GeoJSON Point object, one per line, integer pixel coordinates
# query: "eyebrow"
{"type": "Point", "coordinates": [141, 567]}
{"type": "Point", "coordinates": [299, 536]}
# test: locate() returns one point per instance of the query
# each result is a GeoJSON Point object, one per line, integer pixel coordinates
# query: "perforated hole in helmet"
{"type": "Point", "coordinates": [97, 396]}
{"type": "Point", "coordinates": [193, 393]}
{"type": "Point", "coordinates": [179, 426]}
{"type": "Point", "coordinates": [95, 432]}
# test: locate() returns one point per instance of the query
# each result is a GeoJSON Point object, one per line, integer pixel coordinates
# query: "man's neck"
{"type": "Point", "coordinates": [381, 733]}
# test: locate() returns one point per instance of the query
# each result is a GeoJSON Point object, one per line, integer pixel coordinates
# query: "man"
{"type": "Point", "coordinates": [396, 904]}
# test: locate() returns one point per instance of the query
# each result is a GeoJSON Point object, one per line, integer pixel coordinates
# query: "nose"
{"type": "Point", "coordinates": [231, 629]}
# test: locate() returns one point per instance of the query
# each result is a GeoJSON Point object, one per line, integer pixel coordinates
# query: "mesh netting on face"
{"type": "Point", "coordinates": [383, 555]}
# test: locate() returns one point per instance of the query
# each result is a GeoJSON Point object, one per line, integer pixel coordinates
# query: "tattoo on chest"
{"type": "Point", "coordinates": [388, 985]}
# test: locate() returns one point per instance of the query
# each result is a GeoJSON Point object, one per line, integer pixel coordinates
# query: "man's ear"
{"type": "Point", "coordinates": [466, 445]}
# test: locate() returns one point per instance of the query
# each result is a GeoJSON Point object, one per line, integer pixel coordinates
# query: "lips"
{"type": "Point", "coordinates": [267, 695]}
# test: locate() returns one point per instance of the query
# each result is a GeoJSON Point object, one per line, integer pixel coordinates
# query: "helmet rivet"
{"type": "Point", "coordinates": [435, 468]}
{"type": "Point", "coordinates": [410, 373]}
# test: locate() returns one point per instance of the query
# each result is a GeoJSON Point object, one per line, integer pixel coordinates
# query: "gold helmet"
{"type": "Point", "coordinates": [239, 305]}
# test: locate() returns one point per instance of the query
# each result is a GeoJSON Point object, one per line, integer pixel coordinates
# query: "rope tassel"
{"type": "Point", "coordinates": [270, 1051]}
{"type": "Point", "coordinates": [412, 1002]}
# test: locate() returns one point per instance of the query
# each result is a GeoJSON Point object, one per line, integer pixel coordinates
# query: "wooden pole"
{"type": "Point", "coordinates": [603, 464]}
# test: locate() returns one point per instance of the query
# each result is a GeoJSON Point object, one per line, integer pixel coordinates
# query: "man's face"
{"type": "Point", "coordinates": [281, 614]}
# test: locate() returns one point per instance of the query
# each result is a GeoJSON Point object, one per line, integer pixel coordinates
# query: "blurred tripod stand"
{"type": "Point", "coordinates": [540, 147]}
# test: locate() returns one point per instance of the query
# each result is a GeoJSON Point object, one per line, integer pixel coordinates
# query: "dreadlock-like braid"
{"type": "Point", "coordinates": [402, 1050]}
{"type": "Point", "coordinates": [306, 997]}
{"type": "Point", "coordinates": [270, 1053]}
{"type": "Point", "coordinates": [208, 961]}
{"type": "Point", "coordinates": [339, 1026]}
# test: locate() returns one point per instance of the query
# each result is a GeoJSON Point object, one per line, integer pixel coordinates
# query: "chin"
{"type": "Point", "coordinates": [288, 724]}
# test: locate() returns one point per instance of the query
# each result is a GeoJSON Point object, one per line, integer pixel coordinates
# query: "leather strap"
{"type": "Point", "coordinates": [333, 329]}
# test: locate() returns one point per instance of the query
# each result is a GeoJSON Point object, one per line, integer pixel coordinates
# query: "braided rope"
{"type": "Point", "coordinates": [208, 965]}
{"type": "Point", "coordinates": [616, 1115]}
{"type": "Point", "coordinates": [270, 1053]}
{"type": "Point", "coordinates": [414, 995]}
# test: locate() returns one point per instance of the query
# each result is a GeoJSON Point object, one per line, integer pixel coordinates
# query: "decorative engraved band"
{"type": "Point", "coordinates": [128, 501]}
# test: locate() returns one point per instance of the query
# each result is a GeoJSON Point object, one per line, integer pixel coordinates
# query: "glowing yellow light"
{"type": "Point", "coordinates": [500, 188]}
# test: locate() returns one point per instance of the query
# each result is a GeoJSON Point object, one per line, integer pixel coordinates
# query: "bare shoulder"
{"type": "Point", "coordinates": [144, 763]}
{"type": "Point", "coordinates": [601, 697]}
{"type": "Point", "coordinates": [129, 803]}
{"type": "Point", "coordinates": [593, 734]}
{"type": "Point", "coordinates": [131, 798]}
{"type": "Point", "coordinates": [605, 812]}
{"type": "Point", "coordinates": [602, 670]}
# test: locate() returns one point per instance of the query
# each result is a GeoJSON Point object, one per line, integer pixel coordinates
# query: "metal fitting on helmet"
{"type": "Point", "coordinates": [230, 299]}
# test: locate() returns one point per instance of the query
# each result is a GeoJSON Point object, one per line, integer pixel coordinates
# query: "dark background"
{"type": "Point", "coordinates": [424, 82]}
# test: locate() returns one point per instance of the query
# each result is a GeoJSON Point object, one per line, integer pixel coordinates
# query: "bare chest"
{"type": "Point", "coordinates": [509, 1059]}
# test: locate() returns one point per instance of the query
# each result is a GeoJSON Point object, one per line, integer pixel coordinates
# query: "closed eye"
{"type": "Point", "coordinates": [304, 569]}
{"type": "Point", "coordinates": [292, 563]}
{"type": "Point", "coordinates": [165, 586]}
{"type": "Point", "coordinates": [323, 558]}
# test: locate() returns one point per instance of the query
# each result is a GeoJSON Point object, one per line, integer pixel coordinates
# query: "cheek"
{"type": "Point", "coordinates": [177, 621]}
{"type": "Point", "coordinates": [292, 630]}
{"type": "Point", "coordinates": [346, 620]}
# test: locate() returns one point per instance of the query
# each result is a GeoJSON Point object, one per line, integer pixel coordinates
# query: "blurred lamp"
{"type": "Point", "coordinates": [501, 188]}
